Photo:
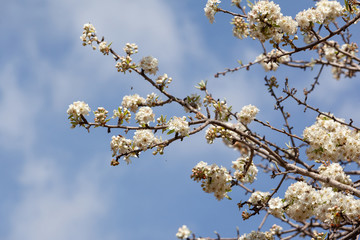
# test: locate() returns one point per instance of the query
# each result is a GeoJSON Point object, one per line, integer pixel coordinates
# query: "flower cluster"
{"type": "Point", "coordinates": [179, 125]}
{"type": "Point", "coordinates": [299, 201]}
{"type": "Point", "coordinates": [247, 114]}
{"type": "Point", "coordinates": [75, 110]}
{"type": "Point", "coordinates": [149, 65]}
{"type": "Point", "coordinates": [163, 80]}
{"type": "Point", "coordinates": [341, 56]}
{"type": "Point", "coordinates": [89, 35]}
{"type": "Point", "coordinates": [104, 48]}
{"type": "Point", "coordinates": [324, 13]}
{"type": "Point", "coordinates": [257, 235]}
{"type": "Point", "coordinates": [267, 22]}
{"type": "Point", "coordinates": [183, 232]}
{"type": "Point", "coordinates": [222, 111]}
{"type": "Point", "coordinates": [122, 114]}
{"type": "Point", "coordinates": [329, 50]}
{"type": "Point", "coordinates": [275, 229]}
{"type": "Point", "coordinates": [125, 64]}
{"type": "Point", "coordinates": [152, 99]}
{"type": "Point", "coordinates": [336, 172]}
{"type": "Point", "coordinates": [145, 115]}
{"type": "Point", "coordinates": [331, 140]}
{"type": "Point", "coordinates": [132, 102]}
{"type": "Point", "coordinates": [214, 179]}
{"type": "Point", "coordinates": [210, 9]}
{"type": "Point", "coordinates": [100, 116]}
{"type": "Point", "coordinates": [120, 145]}
{"type": "Point", "coordinates": [332, 207]}
{"type": "Point", "coordinates": [276, 207]}
{"type": "Point", "coordinates": [228, 137]}
{"type": "Point", "coordinates": [271, 61]}
{"type": "Point", "coordinates": [239, 166]}
{"type": "Point", "coordinates": [130, 48]}
{"type": "Point", "coordinates": [330, 10]}
{"type": "Point", "coordinates": [241, 28]}
{"type": "Point", "coordinates": [259, 198]}
{"type": "Point", "coordinates": [303, 201]}
{"type": "Point", "coordinates": [144, 139]}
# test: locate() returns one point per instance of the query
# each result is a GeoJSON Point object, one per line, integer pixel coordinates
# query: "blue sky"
{"type": "Point", "coordinates": [57, 182]}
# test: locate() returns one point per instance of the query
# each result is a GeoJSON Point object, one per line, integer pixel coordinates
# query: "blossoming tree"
{"type": "Point", "coordinates": [321, 200]}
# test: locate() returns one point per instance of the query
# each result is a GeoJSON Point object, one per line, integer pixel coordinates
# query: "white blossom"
{"type": "Point", "coordinates": [259, 198]}
{"type": "Point", "coordinates": [331, 140]}
{"type": "Point", "coordinates": [145, 115]}
{"type": "Point", "coordinates": [149, 65]}
{"type": "Point", "coordinates": [214, 179]}
{"type": "Point", "coordinates": [132, 102]}
{"type": "Point", "coordinates": [120, 145]}
{"type": "Point", "coordinates": [239, 166]}
{"type": "Point", "coordinates": [247, 114]}
{"type": "Point", "coordinates": [179, 125]}
{"type": "Point", "coordinates": [210, 9]}
{"type": "Point", "coordinates": [183, 232]}
{"type": "Point", "coordinates": [77, 108]}
{"type": "Point", "coordinates": [143, 139]}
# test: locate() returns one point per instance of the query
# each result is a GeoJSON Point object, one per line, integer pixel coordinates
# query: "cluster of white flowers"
{"type": "Point", "coordinates": [331, 50]}
{"type": "Point", "coordinates": [331, 140]}
{"type": "Point", "coordinates": [276, 207]}
{"type": "Point", "coordinates": [210, 9]}
{"type": "Point", "coordinates": [75, 110]}
{"type": "Point", "coordinates": [330, 10]}
{"type": "Point", "coordinates": [145, 115]}
{"type": "Point", "coordinates": [122, 113]}
{"type": "Point", "coordinates": [130, 48]}
{"type": "Point", "coordinates": [179, 125]}
{"type": "Point", "coordinates": [331, 206]}
{"type": "Point", "coordinates": [149, 64]}
{"type": "Point", "coordinates": [299, 201]}
{"type": "Point", "coordinates": [101, 115]}
{"type": "Point", "coordinates": [336, 172]}
{"type": "Point", "coordinates": [259, 198]}
{"type": "Point", "coordinates": [143, 139]}
{"type": "Point", "coordinates": [267, 22]}
{"type": "Point", "coordinates": [78, 108]}
{"type": "Point", "coordinates": [125, 64]}
{"type": "Point", "coordinates": [275, 229]}
{"type": "Point", "coordinates": [152, 99]}
{"type": "Point", "coordinates": [303, 201]}
{"type": "Point", "coordinates": [104, 48]}
{"type": "Point", "coordinates": [222, 111]}
{"type": "Point", "coordinates": [89, 35]}
{"type": "Point", "coordinates": [241, 28]}
{"type": "Point", "coordinates": [120, 145]}
{"type": "Point", "coordinates": [271, 61]}
{"type": "Point", "coordinates": [214, 179]}
{"type": "Point", "coordinates": [183, 232]}
{"type": "Point", "coordinates": [239, 166]}
{"type": "Point", "coordinates": [132, 102]}
{"type": "Point", "coordinates": [325, 12]}
{"type": "Point", "coordinates": [163, 80]}
{"type": "Point", "coordinates": [247, 114]}
{"type": "Point", "coordinates": [227, 136]}
{"type": "Point", "coordinates": [257, 235]}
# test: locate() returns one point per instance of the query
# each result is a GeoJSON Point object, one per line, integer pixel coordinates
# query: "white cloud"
{"type": "Point", "coordinates": [18, 111]}
{"type": "Point", "coordinates": [56, 206]}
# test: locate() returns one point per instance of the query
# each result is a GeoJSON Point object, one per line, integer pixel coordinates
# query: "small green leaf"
{"type": "Point", "coordinates": [170, 132]}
